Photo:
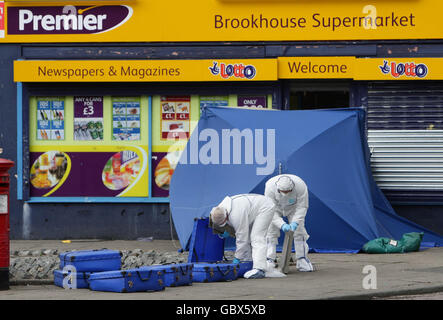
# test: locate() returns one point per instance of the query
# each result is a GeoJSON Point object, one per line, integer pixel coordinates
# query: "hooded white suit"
{"type": "Point", "coordinates": [250, 215]}
{"type": "Point", "coordinates": [293, 205]}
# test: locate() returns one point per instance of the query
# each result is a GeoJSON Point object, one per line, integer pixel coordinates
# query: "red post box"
{"type": "Point", "coordinates": [5, 165]}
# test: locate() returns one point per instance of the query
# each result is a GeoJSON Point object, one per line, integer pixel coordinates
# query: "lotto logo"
{"type": "Point", "coordinates": [227, 71]}
{"type": "Point", "coordinates": [409, 69]}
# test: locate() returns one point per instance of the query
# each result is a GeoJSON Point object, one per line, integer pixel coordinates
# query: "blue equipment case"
{"type": "Point", "coordinates": [81, 279]}
{"type": "Point", "coordinates": [91, 260]}
{"type": "Point", "coordinates": [131, 280]}
{"type": "Point", "coordinates": [176, 274]}
{"type": "Point", "coordinates": [214, 272]}
{"type": "Point", "coordinates": [205, 246]}
{"type": "Point", "coordinates": [206, 251]}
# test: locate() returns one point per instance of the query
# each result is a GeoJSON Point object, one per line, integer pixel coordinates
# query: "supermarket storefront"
{"type": "Point", "coordinates": [107, 95]}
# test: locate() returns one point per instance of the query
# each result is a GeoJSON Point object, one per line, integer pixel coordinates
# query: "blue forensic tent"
{"type": "Point", "coordinates": [326, 148]}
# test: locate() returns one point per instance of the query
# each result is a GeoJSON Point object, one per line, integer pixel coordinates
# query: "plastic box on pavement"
{"type": "Point", "coordinates": [131, 280]}
{"type": "Point", "coordinates": [214, 272]}
{"type": "Point", "coordinates": [179, 274]}
{"type": "Point", "coordinates": [81, 279]}
{"type": "Point", "coordinates": [206, 252]}
{"type": "Point", "coordinates": [91, 260]}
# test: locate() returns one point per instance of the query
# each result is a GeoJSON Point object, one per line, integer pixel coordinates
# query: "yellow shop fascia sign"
{"type": "Point", "coordinates": [316, 67]}
{"type": "Point", "coordinates": [360, 68]}
{"type": "Point", "coordinates": [145, 70]}
{"type": "Point", "coordinates": [229, 70]}
{"type": "Point", "coordinates": [220, 20]}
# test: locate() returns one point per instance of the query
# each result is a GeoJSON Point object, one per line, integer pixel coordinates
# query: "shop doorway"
{"type": "Point", "coordinates": [318, 95]}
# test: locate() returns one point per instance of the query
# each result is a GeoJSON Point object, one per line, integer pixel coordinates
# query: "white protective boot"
{"type": "Point", "coordinates": [254, 274]}
{"type": "Point", "coordinates": [271, 253]}
{"type": "Point", "coordinates": [301, 255]}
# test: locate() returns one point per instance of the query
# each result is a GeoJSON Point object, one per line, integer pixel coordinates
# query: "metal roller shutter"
{"type": "Point", "coordinates": [405, 136]}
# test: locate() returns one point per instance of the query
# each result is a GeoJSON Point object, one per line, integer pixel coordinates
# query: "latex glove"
{"type": "Point", "coordinates": [225, 235]}
{"type": "Point", "coordinates": [294, 226]}
{"type": "Point", "coordinates": [236, 261]}
{"type": "Point", "coordinates": [286, 227]}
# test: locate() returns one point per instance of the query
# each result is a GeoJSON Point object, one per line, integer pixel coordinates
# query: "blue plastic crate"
{"type": "Point", "coordinates": [91, 260]}
{"type": "Point", "coordinates": [131, 280]}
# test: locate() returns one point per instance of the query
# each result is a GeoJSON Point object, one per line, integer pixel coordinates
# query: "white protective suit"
{"type": "Point", "coordinates": [293, 205]}
{"type": "Point", "coordinates": [250, 215]}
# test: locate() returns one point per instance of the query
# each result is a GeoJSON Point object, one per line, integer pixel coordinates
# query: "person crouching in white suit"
{"type": "Point", "coordinates": [250, 216]}
{"type": "Point", "coordinates": [290, 196]}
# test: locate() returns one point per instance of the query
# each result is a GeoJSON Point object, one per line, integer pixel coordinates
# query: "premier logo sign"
{"type": "Point", "coordinates": [67, 19]}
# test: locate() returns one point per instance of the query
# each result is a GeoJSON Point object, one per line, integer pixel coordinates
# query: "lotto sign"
{"type": "Point", "coordinates": [2, 19]}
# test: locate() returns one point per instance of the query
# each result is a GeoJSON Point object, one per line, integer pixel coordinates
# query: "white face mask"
{"type": "Point", "coordinates": [288, 198]}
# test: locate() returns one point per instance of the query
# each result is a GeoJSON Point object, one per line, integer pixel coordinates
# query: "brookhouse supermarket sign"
{"type": "Point", "coordinates": [66, 19]}
{"type": "Point", "coordinates": [220, 20]}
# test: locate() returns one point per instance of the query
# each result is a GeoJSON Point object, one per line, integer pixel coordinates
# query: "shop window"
{"type": "Point", "coordinates": [114, 147]}
{"type": "Point", "coordinates": [89, 146]}
{"type": "Point", "coordinates": [174, 118]}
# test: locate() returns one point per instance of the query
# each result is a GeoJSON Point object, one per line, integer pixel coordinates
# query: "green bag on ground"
{"type": "Point", "coordinates": [409, 242]}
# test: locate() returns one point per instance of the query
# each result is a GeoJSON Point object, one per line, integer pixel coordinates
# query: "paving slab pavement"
{"type": "Point", "coordinates": [337, 276]}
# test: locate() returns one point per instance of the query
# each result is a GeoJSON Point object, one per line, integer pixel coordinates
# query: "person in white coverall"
{"type": "Point", "coordinates": [290, 196]}
{"type": "Point", "coordinates": [250, 216]}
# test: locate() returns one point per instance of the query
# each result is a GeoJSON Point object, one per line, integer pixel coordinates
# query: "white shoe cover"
{"type": "Point", "coordinates": [254, 274]}
{"type": "Point", "coordinates": [304, 265]}
{"type": "Point", "coordinates": [274, 273]}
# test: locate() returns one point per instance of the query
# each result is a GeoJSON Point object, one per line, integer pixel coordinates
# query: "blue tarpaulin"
{"type": "Point", "coordinates": [235, 151]}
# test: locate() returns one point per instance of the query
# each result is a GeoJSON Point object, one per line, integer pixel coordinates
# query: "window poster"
{"type": "Point", "coordinates": [175, 117]}
{"type": "Point", "coordinates": [49, 169]}
{"type": "Point", "coordinates": [252, 101]}
{"type": "Point", "coordinates": [121, 170]}
{"type": "Point", "coordinates": [50, 119]}
{"type": "Point", "coordinates": [163, 164]}
{"type": "Point", "coordinates": [88, 118]}
{"type": "Point", "coordinates": [125, 118]}
{"type": "Point", "coordinates": [70, 171]}
{"type": "Point", "coordinates": [213, 101]}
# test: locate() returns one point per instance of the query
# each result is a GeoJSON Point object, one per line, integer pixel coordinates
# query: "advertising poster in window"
{"type": "Point", "coordinates": [125, 118]}
{"type": "Point", "coordinates": [88, 118]}
{"type": "Point", "coordinates": [252, 101]}
{"type": "Point", "coordinates": [175, 117]}
{"type": "Point", "coordinates": [106, 172]}
{"type": "Point", "coordinates": [48, 169]}
{"type": "Point", "coordinates": [121, 170]}
{"type": "Point", "coordinates": [89, 162]}
{"type": "Point", "coordinates": [213, 101]}
{"type": "Point", "coordinates": [50, 119]}
{"type": "Point", "coordinates": [163, 164]}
